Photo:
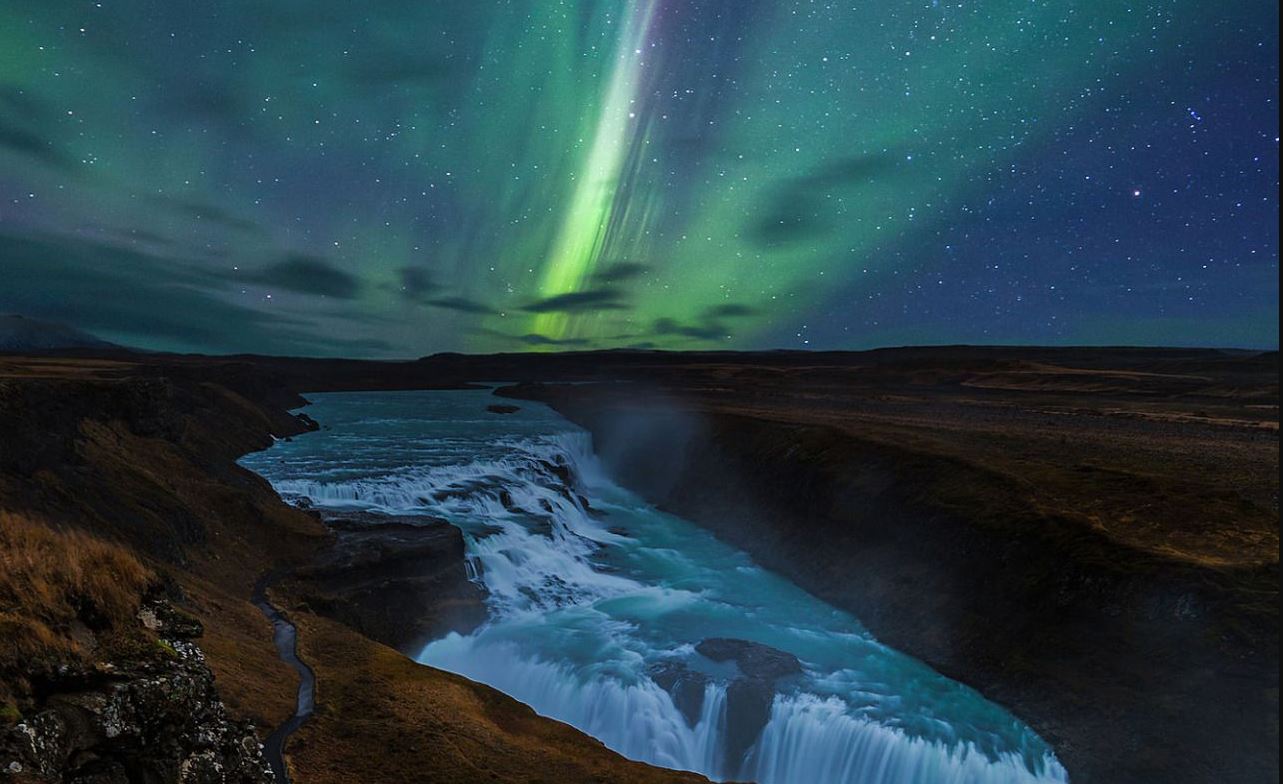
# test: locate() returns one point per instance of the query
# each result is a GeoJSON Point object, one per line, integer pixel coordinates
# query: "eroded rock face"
{"type": "Point", "coordinates": [156, 720]}
{"type": "Point", "coordinates": [755, 660]}
{"type": "Point", "coordinates": [684, 685]}
{"type": "Point", "coordinates": [398, 580]}
{"type": "Point", "coordinates": [749, 697]}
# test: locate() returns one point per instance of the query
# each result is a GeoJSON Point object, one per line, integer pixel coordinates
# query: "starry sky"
{"type": "Point", "coordinates": [400, 177]}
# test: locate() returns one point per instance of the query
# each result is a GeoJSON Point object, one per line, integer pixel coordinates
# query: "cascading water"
{"type": "Point", "coordinates": [602, 609]}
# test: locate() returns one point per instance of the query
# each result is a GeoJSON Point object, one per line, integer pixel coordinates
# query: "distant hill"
{"type": "Point", "coordinates": [19, 333]}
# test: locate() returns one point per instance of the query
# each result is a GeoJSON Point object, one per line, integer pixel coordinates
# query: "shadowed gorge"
{"type": "Point", "coordinates": [595, 601]}
{"type": "Point", "coordinates": [1057, 529]}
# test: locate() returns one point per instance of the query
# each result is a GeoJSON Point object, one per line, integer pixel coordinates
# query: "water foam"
{"type": "Point", "coordinates": [573, 635]}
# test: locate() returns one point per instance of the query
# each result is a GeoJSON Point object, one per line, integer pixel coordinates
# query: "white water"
{"type": "Point", "coordinates": [586, 601]}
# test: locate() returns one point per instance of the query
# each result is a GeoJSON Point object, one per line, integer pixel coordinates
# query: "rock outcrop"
{"type": "Point", "coordinates": [749, 696]}
{"type": "Point", "coordinates": [155, 716]}
{"type": "Point", "coordinates": [398, 580]}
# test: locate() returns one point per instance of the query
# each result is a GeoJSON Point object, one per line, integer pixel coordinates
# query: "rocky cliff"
{"type": "Point", "coordinates": [1110, 573]}
{"type": "Point", "coordinates": [152, 714]}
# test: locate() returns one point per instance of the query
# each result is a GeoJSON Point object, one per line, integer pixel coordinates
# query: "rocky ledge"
{"type": "Point", "coordinates": [150, 717]}
{"type": "Point", "coordinates": [400, 580]}
{"type": "Point", "coordinates": [758, 670]}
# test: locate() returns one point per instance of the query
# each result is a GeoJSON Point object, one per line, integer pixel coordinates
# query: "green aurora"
{"type": "Point", "coordinates": [406, 177]}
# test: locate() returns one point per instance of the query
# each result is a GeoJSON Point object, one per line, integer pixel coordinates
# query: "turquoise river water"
{"type": "Point", "coordinates": [596, 599]}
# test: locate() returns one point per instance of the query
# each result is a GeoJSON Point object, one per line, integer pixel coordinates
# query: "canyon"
{"type": "Point", "coordinates": [1087, 536]}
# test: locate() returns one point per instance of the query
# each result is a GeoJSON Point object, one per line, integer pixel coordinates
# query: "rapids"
{"type": "Point", "coordinates": [597, 602]}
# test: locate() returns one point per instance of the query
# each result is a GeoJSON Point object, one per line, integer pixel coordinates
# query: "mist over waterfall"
{"type": "Point", "coordinates": [640, 628]}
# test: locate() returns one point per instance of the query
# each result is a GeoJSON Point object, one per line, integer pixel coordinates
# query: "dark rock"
{"type": "Point", "coordinates": [169, 622]}
{"type": "Point", "coordinates": [500, 408]}
{"type": "Point", "coordinates": [749, 697]}
{"type": "Point", "coordinates": [684, 685]}
{"type": "Point", "coordinates": [310, 424]}
{"type": "Point", "coordinates": [560, 470]}
{"type": "Point", "coordinates": [748, 708]}
{"type": "Point", "coordinates": [157, 718]}
{"type": "Point", "coordinates": [399, 580]}
{"type": "Point", "coordinates": [541, 526]}
{"type": "Point", "coordinates": [505, 498]}
{"type": "Point", "coordinates": [587, 507]}
{"type": "Point", "coordinates": [754, 659]}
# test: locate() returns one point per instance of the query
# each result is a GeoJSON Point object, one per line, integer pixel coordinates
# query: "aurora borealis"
{"type": "Point", "coordinates": [398, 178]}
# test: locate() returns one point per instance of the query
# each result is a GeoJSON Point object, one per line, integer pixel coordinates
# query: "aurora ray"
{"type": "Point", "coordinates": [324, 178]}
{"type": "Point", "coordinates": [582, 234]}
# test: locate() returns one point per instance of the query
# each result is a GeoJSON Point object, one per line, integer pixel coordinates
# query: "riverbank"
{"type": "Point", "coordinates": [138, 458]}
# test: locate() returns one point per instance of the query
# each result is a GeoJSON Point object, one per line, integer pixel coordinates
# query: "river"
{"type": "Point", "coordinates": [598, 602]}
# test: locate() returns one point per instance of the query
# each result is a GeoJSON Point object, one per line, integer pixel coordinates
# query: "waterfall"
{"type": "Point", "coordinates": [592, 593]}
{"type": "Point", "coordinates": [814, 739]}
{"type": "Point", "coordinates": [638, 719]}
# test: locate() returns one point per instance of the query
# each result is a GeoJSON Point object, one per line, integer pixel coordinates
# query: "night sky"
{"type": "Point", "coordinates": [394, 178]}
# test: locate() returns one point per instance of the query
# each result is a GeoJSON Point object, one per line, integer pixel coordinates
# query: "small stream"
{"type": "Point", "coordinates": [615, 617]}
{"type": "Point", "coordinates": [285, 637]}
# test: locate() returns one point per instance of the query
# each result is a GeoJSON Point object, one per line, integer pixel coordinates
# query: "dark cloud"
{"type": "Point", "coordinates": [143, 235]}
{"type": "Point", "coordinates": [535, 339]}
{"type": "Point", "coordinates": [208, 212]}
{"type": "Point", "coordinates": [416, 283]}
{"type": "Point", "coordinates": [152, 301]}
{"type": "Point", "coordinates": [579, 302]}
{"type": "Point", "coordinates": [27, 125]}
{"type": "Point", "coordinates": [29, 144]}
{"type": "Point", "coordinates": [787, 225]}
{"type": "Point", "coordinates": [709, 326]}
{"type": "Point", "coordinates": [855, 170]}
{"type": "Point", "coordinates": [308, 275]}
{"type": "Point", "coordinates": [705, 331]}
{"type": "Point", "coordinates": [621, 272]}
{"type": "Point", "coordinates": [729, 310]}
{"type": "Point", "coordinates": [460, 304]}
{"type": "Point", "coordinates": [798, 208]}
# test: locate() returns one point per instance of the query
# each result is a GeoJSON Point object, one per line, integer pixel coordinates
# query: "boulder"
{"type": "Point", "coordinates": [684, 685]}
{"type": "Point", "coordinates": [749, 696]}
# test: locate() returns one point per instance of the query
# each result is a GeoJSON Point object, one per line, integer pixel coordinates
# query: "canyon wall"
{"type": "Point", "coordinates": [1134, 668]}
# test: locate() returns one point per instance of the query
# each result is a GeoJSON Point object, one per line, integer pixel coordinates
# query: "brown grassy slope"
{"type": "Point", "coordinates": [66, 598]}
{"type": "Point", "coordinates": [1170, 456]}
{"type": "Point", "coordinates": [146, 462]}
